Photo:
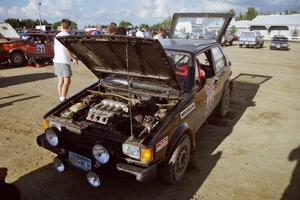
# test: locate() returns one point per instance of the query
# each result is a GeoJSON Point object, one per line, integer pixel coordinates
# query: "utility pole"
{"type": "Point", "coordinates": [40, 4]}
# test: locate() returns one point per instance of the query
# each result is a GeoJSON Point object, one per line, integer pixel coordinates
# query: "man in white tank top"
{"type": "Point", "coordinates": [62, 62]}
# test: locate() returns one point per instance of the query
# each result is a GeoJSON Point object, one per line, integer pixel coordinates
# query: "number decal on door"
{"type": "Point", "coordinates": [40, 48]}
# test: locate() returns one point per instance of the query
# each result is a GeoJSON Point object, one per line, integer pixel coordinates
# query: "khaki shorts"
{"type": "Point", "coordinates": [62, 70]}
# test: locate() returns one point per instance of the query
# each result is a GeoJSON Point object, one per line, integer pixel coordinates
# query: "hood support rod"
{"type": "Point", "coordinates": [129, 93]}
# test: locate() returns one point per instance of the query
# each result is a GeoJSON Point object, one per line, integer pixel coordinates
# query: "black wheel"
{"type": "Point", "coordinates": [223, 106]}
{"type": "Point", "coordinates": [262, 45]}
{"type": "Point", "coordinates": [17, 58]}
{"type": "Point", "coordinates": [173, 170]}
{"type": "Point", "coordinates": [240, 45]}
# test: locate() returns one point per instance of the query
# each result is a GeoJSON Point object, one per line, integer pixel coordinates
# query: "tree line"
{"type": "Point", "coordinates": [30, 24]}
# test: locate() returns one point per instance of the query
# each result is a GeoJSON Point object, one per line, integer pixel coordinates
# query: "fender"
{"type": "Point", "coordinates": [20, 50]}
{"type": "Point", "coordinates": [179, 131]}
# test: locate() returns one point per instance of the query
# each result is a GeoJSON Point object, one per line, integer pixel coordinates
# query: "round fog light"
{"type": "Point", "coordinates": [93, 179]}
{"type": "Point", "coordinates": [100, 153]}
{"type": "Point", "coordinates": [59, 165]}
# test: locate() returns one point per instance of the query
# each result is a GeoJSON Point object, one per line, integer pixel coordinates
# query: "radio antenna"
{"type": "Point", "coordinates": [129, 94]}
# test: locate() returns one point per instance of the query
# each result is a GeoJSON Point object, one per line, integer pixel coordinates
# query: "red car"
{"type": "Point", "coordinates": [18, 51]}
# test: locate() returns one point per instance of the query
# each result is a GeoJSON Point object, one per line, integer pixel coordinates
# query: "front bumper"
{"type": "Point", "coordinates": [141, 174]}
{"type": "Point", "coordinates": [279, 46]}
{"type": "Point", "coordinates": [248, 43]}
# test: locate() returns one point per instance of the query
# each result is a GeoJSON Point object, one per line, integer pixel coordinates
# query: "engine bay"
{"type": "Point", "coordinates": [126, 113]}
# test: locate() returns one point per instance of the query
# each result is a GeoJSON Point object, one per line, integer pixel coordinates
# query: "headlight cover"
{"type": "Point", "coordinates": [51, 137]}
{"type": "Point", "coordinates": [131, 150]}
{"type": "Point", "coordinates": [100, 153]}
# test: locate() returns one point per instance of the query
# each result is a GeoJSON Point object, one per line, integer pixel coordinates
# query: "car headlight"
{"type": "Point", "coordinates": [100, 153]}
{"type": "Point", "coordinates": [51, 137]}
{"type": "Point", "coordinates": [131, 150]}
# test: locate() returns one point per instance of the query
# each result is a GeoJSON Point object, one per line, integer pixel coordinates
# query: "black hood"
{"type": "Point", "coordinates": [106, 55]}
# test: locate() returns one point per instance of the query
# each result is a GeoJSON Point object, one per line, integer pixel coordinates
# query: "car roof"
{"type": "Point", "coordinates": [186, 45]}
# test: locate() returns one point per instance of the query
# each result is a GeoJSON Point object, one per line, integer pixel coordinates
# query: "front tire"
{"type": "Point", "coordinates": [17, 58]}
{"type": "Point", "coordinates": [173, 170]}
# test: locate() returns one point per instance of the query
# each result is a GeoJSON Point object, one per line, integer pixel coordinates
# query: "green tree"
{"type": "Point", "coordinates": [57, 24]}
{"type": "Point", "coordinates": [233, 29]}
{"type": "Point", "coordinates": [125, 24]}
{"type": "Point", "coordinates": [29, 23]}
{"type": "Point", "coordinates": [166, 24]}
{"type": "Point", "coordinates": [144, 26]}
{"type": "Point", "coordinates": [240, 17]}
{"type": "Point", "coordinates": [15, 23]}
{"type": "Point", "coordinates": [251, 13]}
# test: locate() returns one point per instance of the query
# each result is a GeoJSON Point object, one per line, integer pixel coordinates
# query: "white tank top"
{"type": "Point", "coordinates": [61, 54]}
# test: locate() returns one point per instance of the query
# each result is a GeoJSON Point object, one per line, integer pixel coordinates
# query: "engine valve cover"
{"type": "Point", "coordinates": [104, 110]}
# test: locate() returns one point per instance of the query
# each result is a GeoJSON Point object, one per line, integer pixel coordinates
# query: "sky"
{"type": "Point", "coordinates": [92, 12]}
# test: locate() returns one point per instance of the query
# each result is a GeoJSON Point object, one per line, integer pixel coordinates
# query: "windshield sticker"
{"type": "Point", "coordinates": [210, 91]}
{"type": "Point", "coordinates": [161, 144]}
{"type": "Point", "coordinates": [186, 111]}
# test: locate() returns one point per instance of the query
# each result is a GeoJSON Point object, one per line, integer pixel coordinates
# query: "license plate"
{"type": "Point", "coordinates": [246, 42]}
{"type": "Point", "coordinates": [80, 161]}
{"type": "Point", "coordinates": [278, 46]}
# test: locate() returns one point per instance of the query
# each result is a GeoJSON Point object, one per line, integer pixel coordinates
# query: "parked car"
{"type": "Point", "coordinates": [251, 39]}
{"type": "Point", "coordinates": [228, 38]}
{"type": "Point", "coordinates": [142, 115]}
{"type": "Point", "coordinates": [19, 50]}
{"type": "Point", "coordinates": [279, 42]}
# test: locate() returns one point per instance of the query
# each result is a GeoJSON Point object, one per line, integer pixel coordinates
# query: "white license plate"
{"type": "Point", "coordinates": [246, 42]}
{"type": "Point", "coordinates": [278, 46]}
{"type": "Point", "coordinates": [80, 161]}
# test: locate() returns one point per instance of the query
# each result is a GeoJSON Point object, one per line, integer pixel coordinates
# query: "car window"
{"type": "Point", "coordinates": [220, 61]}
{"type": "Point", "coordinates": [247, 34]}
{"type": "Point", "coordinates": [181, 63]}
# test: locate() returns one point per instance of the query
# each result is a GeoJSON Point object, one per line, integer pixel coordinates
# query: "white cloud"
{"type": "Point", "coordinates": [86, 12]}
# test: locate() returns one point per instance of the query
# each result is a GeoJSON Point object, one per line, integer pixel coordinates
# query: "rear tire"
{"type": "Point", "coordinates": [223, 106]}
{"type": "Point", "coordinates": [17, 58]}
{"type": "Point", "coordinates": [240, 45]}
{"type": "Point", "coordinates": [174, 168]}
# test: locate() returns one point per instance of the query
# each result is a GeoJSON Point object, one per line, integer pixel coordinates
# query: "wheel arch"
{"type": "Point", "coordinates": [178, 133]}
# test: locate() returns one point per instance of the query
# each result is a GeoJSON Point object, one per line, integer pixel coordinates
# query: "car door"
{"type": "Point", "coordinates": [220, 73]}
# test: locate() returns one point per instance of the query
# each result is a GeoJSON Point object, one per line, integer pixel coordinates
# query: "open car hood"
{"type": "Point", "coordinates": [7, 31]}
{"type": "Point", "coordinates": [200, 25]}
{"type": "Point", "coordinates": [144, 59]}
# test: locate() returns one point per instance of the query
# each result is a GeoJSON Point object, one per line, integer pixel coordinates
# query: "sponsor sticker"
{"type": "Point", "coordinates": [161, 144]}
{"type": "Point", "coordinates": [186, 111]}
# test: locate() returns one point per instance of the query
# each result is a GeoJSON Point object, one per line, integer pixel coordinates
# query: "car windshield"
{"type": "Point", "coordinates": [280, 39]}
{"type": "Point", "coordinates": [136, 84]}
{"type": "Point", "coordinates": [247, 34]}
{"type": "Point", "coordinates": [198, 27]}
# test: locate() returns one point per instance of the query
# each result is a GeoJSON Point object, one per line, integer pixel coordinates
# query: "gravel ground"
{"type": "Point", "coordinates": [254, 153]}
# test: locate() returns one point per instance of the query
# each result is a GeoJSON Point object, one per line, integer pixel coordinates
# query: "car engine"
{"type": "Point", "coordinates": [113, 111]}
{"type": "Point", "coordinates": [104, 110]}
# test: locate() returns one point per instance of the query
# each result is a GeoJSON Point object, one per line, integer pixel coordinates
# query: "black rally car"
{"type": "Point", "coordinates": [151, 98]}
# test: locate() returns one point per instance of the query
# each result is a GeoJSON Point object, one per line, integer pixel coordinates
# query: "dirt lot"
{"type": "Point", "coordinates": [252, 154]}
